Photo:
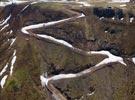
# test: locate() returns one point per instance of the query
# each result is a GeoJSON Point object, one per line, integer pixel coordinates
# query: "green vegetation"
{"type": "Point", "coordinates": [54, 6]}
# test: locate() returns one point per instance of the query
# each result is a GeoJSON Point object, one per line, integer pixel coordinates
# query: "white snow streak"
{"type": "Point", "coordinates": [82, 15]}
{"type": "Point", "coordinates": [10, 2]}
{"type": "Point", "coordinates": [19, 1]}
{"type": "Point", "coordinates": [28, 6]}
{"type": "Point", "coordinates": [11, 32]}
{"type": "Point", "coordinates": [13, 62]}
{"type": "Point", "coordinates": [101, 18]}
{"type": "Point", "coordinates": [133, 59]}
{"type": "Point", "coordinates": [6, 66]}
{"type": "Point", "coordinates": [86, 4]}
{"type": "Point", "coordinates": [56, 40]}
{"type": "Point", "coordinates": [44, 81]}
{"type": "Point", "coordinates": [1, 21]}
{"type": "Point", "coordinates": [3, 81]}
{"type": "Point", "coordinates": [122, 19]}
{"type": "Point", "coordinates": [24, 29]}
{"type": "Point", "coordinates": [131, 19]}
{"type": "Point", "coordinates": [106, 31]}
{"type": "Point", "coordinates": [25, 8]}
{"type": "Point", "coordinates": [2, 4]}
{"type": "Point", "coordinates": [13, 40]}
{"type": "Point", "coordinates": [4, 69]}
{"type": "Point", "coordinates": [113, 18]}
{"type": "Point", "coordinates": [34, 3]}
{"type": "Point", "coordinates": [4, 27]}
{"type": "Point", "coordinates": [89, 94]}
{"type": "Point", "coordinates": [111, 58]}
{"type": "Point", "coordinates": [121, 1]}
{"type": "Point", "coordinates": [6, 20]}
{"type": "Point", "coordinates": [123, 5]}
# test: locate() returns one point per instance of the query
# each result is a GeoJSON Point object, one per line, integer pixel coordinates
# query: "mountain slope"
{"type": "Point", "coordinates": [50, 39]}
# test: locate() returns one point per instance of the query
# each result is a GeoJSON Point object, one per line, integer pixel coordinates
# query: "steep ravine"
{"type": "Point", "coordinates": [52, 45]}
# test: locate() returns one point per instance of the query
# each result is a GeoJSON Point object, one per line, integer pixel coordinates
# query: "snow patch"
{"type": "Point", "coordinates": [11, 32]}
{"type": "Point", "coordinates": [4, 27]}
{"type": "Point", "coordinates": [25, 8]}
{"type": "Point", "coordinates": [113, 18]}
{"type": "Point", "coordinates": [106, 31]}
{"type": "Point", "coordinates": [24, 29]}
{"type": "Point", "coordinates": [123, 5]}
{"type": "Point", "coordinates": [56, 40]}
{"type": "Point", "coordinates": [2, 4]}
{"type": "Point", "coordinates": [82, 15]}
{"type": "Point", "coordinates": [18, 1]}
{"type": "Point", "coordinates": [12, 42]}
{"type": "Point", "coordinates": [62, 76]}
{"type": "Point", "coordinates": [34, 2]}
{"type": "Point", "coordinates": [3, 81]}
{"type": "Point", "coordinates": [6, 20]}
{"type": "Point", "coordinates": [133, 59]}
{"type": "Point", "coordinates": [44, 81]}
{"type": "Point", "coordinates": [111, 58]}
{"type": "Point", "coordinates": [86, 4]}
{"type": "Point", "coordinates": [10, 2]}
{"type": "Point", "coordinates": [1, 21]}
{"type": "Point", "coordinates": [121, 1]}
{"type": "Point", "coordinates": [131, 19]}
{"type": "Point", "coordinates": [122, 19]}
{"type": "Point", "coordinates": [101, 18]}
{"type": "Point", "coordinates": [13, 62]}
{"type": "Point", "coordinates": [4, 69]}
{"type": "Point", "coordinates": [89, 94]}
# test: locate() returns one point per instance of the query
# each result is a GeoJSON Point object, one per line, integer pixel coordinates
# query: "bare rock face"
{"type": "Point", "coordinates": [26, 56]}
